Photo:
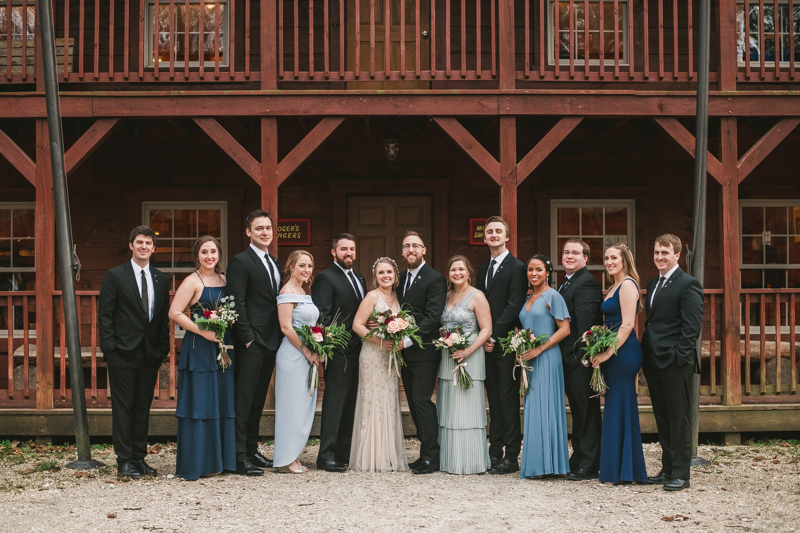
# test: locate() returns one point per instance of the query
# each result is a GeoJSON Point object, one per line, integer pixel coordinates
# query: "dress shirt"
{"type": "Point", "coordinates": [358, 288]}
{"type": "Point", "coordinates": [151, 293]}
{"type": "Point", "coordinates": [497, 260]}
{"type": "Point", "coordinates": [666, 278]}
{"type": "Point", "coordinates": [271, 267]}
{"type": "Point", "coordinates": [413, 275]}
{"type": "Point", "coordinates": [566, 279]}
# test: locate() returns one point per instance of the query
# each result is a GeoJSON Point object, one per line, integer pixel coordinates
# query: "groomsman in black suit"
{"type": "Point", "coordinates": [423, 291]}
{"type": "Point", "coordinates": [339, 291]}
{"type": "Point", "coordinates": [582, 293]}
{"type": "Point", "coordinates": [134, 338]}
{"type": "Point", "coordinates": [254, 280]}
{"type": "Point", "coordinates": [503, 281]}
{"type": "Point", "coordinates": [674, 306]}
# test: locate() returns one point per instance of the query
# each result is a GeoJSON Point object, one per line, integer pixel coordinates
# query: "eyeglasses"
{"type": "Point", "coordinates": [576, 254]}
{"type": "Point", "coordinates": [416, 246]}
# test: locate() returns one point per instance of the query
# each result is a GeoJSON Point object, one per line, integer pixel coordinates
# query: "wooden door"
{"type": "Point", "coordinates": [379, 224]}
{"type": "Point", "coordinates": [367, 9]}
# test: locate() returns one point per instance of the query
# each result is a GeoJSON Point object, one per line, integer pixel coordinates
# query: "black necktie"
{"type": "Point", "coordinates": [564, 285]}
{"type": "Point", "coordinates": [661, 282]}
{"type": "Point", "coordinates": [492, 263]}
{"type": "Point", "coordinates": [269, 272]}
{"type": "Point", "coordinates": [145, 296]}
{"type": "Point", "coordinates": [355, 284]}
{"type": "Point", "coordinates": [409, 279]}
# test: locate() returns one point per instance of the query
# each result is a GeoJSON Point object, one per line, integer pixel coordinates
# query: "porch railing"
{"type": "Point", "coordinates": [770, 323]}
{"type": "Point", "coordinates": [395, 40]}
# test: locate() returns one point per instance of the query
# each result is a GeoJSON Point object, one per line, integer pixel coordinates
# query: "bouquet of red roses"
{"type": "Point", "coordinates": [394, 327]}
{"type": "Point", "coordinates": [454, 341]}
{"type": "Point", "coordinates": [219, 320]}
{"type": "Point", "coordinates": [322, 340]}
{"type": "Point", "coordinates": [518, 342]}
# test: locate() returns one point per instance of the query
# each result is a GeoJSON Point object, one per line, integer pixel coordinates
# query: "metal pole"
{"type": "Point", "coordinates": [64, 239]}
{"type": "Point", "coordinates": [699, 202]}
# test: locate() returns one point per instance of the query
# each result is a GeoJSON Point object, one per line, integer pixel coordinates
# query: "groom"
{"type": "Point", "coordinates": [254, 281]}
{"type": "Point", "coordinates": [338, 290]}
{"type": "Point", "coordinates": [422, 291]}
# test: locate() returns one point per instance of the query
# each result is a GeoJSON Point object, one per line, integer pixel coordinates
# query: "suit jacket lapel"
{"type": "Point", "coordinates": [573, 280]}
{"type": "Point", "coordinates": [667, 286]}
{"type": "Point", "coordinates": [416, 278]}
{"type": "Point", "coordinates": [497, 272]}
{"type": "Point", "coordinates": [261, 267]}
{"type": "Point", "coordinates": [134, 285]}
{"type": "Point", "coordinates": [342, 278]}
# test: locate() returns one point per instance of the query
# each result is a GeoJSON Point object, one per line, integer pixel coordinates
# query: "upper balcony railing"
{"type": "Point", "coordinates": [397, 44]}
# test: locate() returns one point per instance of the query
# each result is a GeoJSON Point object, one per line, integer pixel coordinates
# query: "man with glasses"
{"type": "Point", "coordinates": [582, 293]}
{"type": "Point", "coordinates": [422, 291]}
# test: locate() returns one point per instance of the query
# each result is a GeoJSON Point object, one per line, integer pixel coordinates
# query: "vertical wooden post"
{"type": "Point", "coordinates": [729, 249]}
{"type": "Point", "coordinates": [505, 34]}
{"type": "Point", "coordinates": [728, 66]}
{"type": "Point", "coordinates": [45, 269]}
{"type": "Point", "coordinates": [269, 173]}
{"type": "Point", "coordinates": [269, 56]}
{"type": "Point", "coordinates": [508, 176]}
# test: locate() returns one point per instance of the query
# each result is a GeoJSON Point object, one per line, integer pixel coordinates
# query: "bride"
{"type": "Point", "coordinates": [378, 429]}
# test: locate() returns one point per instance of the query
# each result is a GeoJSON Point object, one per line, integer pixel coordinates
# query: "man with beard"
{"type": "Point", "coordinates": [338, 292]}
{"type": "Point", "coordinates": [423, 291]}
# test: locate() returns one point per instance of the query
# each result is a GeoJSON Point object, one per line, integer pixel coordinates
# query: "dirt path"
{"type": "Point", "coordinates": [755, 488]}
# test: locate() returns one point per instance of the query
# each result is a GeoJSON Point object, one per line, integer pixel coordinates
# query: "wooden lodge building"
{"type": "Point", "coordinates": [568, 117]}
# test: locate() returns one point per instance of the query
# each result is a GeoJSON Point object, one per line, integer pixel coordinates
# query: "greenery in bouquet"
{"type": "Point", "coordinates": [219, 320]}
{"type": "Point", "coordinates": [598, 339]}
{"type": "Point", "coordinates": [322, 341]}
{"type": "Point", "coordinates": [394, 327]}
{"type": "Point", "coordinates": [455, 340]}
{"type": "Point", "coordinates": [518, 342]}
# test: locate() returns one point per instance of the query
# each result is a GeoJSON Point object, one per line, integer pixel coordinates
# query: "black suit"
{"type": "Point", "coordinates": [134, 346]}
{"type": "Point", "coordinates": [426, 300]}
{"type": "Point", "coordinates": [506, 295]}
{"type": "Point", "coordinates": [583, 297]}
{"type": "Point", "coordinates": [257, 306]}
{"type": "Point", "coordinates": [674, 322]}
{"type": "Point", "coordinates": [333, 294]}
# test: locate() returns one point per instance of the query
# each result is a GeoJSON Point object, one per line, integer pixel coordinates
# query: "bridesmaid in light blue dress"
{"type": "Point", "coordinates": [294, 401]}
{"type": "Point", "coordinates": [545, 450]}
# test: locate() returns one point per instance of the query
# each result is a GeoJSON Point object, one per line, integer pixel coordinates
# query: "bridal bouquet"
{"type": "Point", "coordinates": [454, 341]}
{"type": "Point", "coordinates": [598, 339]}
{"type": "Point", "coordinates": [394, 327]}
{"type": "Point", "coordinates": [219, 320]}
{"type": "Point", "coordinates": [322, 340]}
{"type": "Point", "coordinates": [518, 342]}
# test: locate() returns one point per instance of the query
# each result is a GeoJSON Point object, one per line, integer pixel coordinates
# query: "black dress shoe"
{"type": "Point", "coordinates": [495, 461]}
{"type": "Point", "coordinates": [426, 467]}
{"type": "Point", "coordinates": [581, 474]}
{"type": "Point", "coordinates": [331, 466]}
{"type": "Point", "coordinates": [660, 479]}
{"type": "Point", "coordinates": [676, 484]}
{"type": "Point", "coordinates": [260, 461]}
{"type": "Point", "coordinates": [129, 469]}
{"type": "Point", "coordinates": [506, 466]}
{"type": "Point", "coordinates": [415, 464]}
{"type": "Point", "coordinates": [246, 468]}
{"type": "Point", "coordinates": [146, 469]}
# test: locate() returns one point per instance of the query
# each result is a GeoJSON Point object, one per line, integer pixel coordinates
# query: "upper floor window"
{"type": "Point", "coordinates": [178, 225]}
{"type": "Point", "coordinates": [598, 40]}
{"type": "Point", "coordinates": [20, 19]}
{"type": "Point", "coordinates": [776, 40]}
{"type": "Point", "coordinates": [597, 222]}
{"type": "Point", "coordinates": [770, 244]}
{"type": "Point", "coordinates": [199, 24]}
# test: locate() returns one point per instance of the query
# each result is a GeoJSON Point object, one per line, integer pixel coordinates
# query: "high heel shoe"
{"type": "Point", "coordinates": [288, 470]}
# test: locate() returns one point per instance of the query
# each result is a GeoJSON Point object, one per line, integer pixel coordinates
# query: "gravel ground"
{"type": "Point", "coordinates": [746, 488]}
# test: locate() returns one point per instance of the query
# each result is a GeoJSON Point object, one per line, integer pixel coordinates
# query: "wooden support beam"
{"type": "Point", "coordinates": [45, 245]}
{"type": "Point", "coordinates": [471, 146]}
{"type": "Point", "coordinates": [18, 158]}
{"type": "Point", "coordinates": [89, 142]}
{"type": "Point", "coordinates": [765, 145]}
{"type": "Point", "coordinates": [544, 147]}
{"type": "Point", "coordinates": [729, 261]}
{"type": "Point", "coordinates": [269, 44]}
{"type": "Point", "coordinates": [505, 37]}
{"type": "Point", "coordinates": [687, 141]}
{"type": "Point", "coordinates": [269, 174]}
{"type": "Point", "coordinates": [306, 147]}
{"type": "Point", "coordinates": [508, 181]}
{"type": "Point", "coordinates": [727, 33]}
{"type": "Point", "coordinates": [231, 147]}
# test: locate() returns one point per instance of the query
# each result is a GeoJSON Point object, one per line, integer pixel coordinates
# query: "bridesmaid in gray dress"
{"type": "Point", "coordinates": [294, 402]}
{"type": "Point", "coordinates": [462, 413]}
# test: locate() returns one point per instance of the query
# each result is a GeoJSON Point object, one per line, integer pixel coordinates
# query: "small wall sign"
{"type": "Point", "coordinates": [294, 232]}
{"type": "Point", "coordinates": [476, 231]}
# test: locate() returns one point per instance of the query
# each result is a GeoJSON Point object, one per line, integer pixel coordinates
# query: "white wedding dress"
{"type": "Point", "coordinates": [378, 429]}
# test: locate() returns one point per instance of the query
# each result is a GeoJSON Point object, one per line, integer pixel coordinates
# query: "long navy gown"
{"type": "Point", "coordinates": [206, 422]}
{"type": "Point", "coordinates": [621, 455]}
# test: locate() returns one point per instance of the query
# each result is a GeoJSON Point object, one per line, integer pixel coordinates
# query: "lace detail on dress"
{"type": "Point", "coordinates": [461, 315]}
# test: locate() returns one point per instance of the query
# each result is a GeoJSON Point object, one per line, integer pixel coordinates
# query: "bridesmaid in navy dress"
{"type": "Point", "coordinates": [206, 438]}
{"type": "Point", "coordinates": [621, 455]}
